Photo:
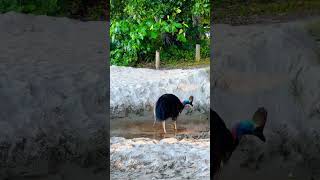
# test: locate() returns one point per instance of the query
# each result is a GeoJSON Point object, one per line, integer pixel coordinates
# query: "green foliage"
{"type": "Point", "coordinates": [233, 9]}
{"type": "Point", "coordinates": [139, 28]}
{"type": "Point", "coordinates": [48, 7]}
{"type": "Point", "coordinates": [313, 29]}
{"type": "Point", "coordinates": [84, 9]}
{"type": "Point", "coordinates": [186, 52]}
{"type": "Point", "coordinates": [201, 8]}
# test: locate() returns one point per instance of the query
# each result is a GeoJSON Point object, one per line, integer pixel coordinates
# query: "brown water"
{"type": "Point", "coordinates": [135, 126]}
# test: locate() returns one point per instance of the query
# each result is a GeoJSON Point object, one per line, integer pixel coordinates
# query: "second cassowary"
{"type": "Point", "coordinates": [226, 141]}
{"type": "Point", "coordinates": [169, 106]}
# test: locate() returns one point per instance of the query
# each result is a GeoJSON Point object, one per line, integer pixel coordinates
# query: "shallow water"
{"type": "Point", "coordinates": [135, 126]}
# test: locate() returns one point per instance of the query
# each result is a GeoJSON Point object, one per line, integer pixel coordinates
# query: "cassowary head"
{"type": "Point", "coordinates": [226, 141]}
{"type": "Point", "coordinates": [188, 101]}
{"type": "Point", "coordinates": [260, 118]}
{"type": "Point", "coordinates": [191, 99]}
{"type": "Point", "coordinates": [253, 126]}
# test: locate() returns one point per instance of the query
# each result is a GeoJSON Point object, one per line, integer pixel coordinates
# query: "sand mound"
{"type": "Point", "coordinates": [52, 92]}
{"type": "Point", "coordinates": [144, 158]}
{"type": "Point", "coordinates": [137, 89]}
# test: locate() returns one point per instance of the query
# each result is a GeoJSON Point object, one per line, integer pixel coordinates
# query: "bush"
{"type": "Point", "coordinates": [139, 28]}
{"type": "Point", "coordinates": [185, 53]}
{"type": "Point", "coordinates": [80, 9]}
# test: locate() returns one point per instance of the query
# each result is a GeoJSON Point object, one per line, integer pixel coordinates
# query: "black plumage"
{"type": "Point", "coordinates": [167, 106]}
{"type": "Point", "coordinates": [223, 144]}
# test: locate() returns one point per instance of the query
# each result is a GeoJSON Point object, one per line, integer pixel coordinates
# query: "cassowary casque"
{"type": "Point", "coordinates": [225, 142]}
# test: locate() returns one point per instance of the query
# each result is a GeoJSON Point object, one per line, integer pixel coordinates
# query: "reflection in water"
{"type": "Point", "coordinates": [142, 126]}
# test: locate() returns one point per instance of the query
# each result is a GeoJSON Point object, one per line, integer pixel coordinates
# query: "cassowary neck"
{"type": "Point", "coordinates": [235, 143]}
{"type": "Point", "coordinates": [242, 128]}
{"type": "Point", "coordinates": [234, 132]}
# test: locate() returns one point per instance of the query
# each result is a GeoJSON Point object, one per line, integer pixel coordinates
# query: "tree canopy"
{"type": "Point", "coordinates": [139, 27]}
{"type": "Point", "coordinates": [79, 9]}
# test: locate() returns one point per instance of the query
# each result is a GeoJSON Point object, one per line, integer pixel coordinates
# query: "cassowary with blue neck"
{"type": "Point", "coordinates": [226, 141]}
{"type": "Point", "coordinates": [169, 106]}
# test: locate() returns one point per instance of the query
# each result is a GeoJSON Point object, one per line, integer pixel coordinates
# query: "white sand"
{"type": "Point", "coordinates": [137, 89]}
{"type": "Point", "coordinates": [144, 158]}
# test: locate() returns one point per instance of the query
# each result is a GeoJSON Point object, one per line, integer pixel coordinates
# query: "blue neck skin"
{"type": "Point", "coordinates": [242, 128]}
{"type": "Point", "coordinates": [185, 102]}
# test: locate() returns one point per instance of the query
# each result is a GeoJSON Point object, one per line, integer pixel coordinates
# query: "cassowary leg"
{"type": "Point", "coordinates": [174, 123]}
{"type": "Point", "coordinates": [164, 126]}
{"type": "Point", "coordinates": [154, 122]}
{"type": "Point", "coordinates": [154, 115]}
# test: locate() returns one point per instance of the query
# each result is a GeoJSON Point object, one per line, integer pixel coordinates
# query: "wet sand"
{"type": "Point", "coordinates": [136, 126]}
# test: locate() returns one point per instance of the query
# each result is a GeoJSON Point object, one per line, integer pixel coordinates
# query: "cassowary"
{"type": "Point", "coordinates": [226, 141]}
{"type": "Point", "coordinates": [189, 101]}
{"type": "Point", "coordinates": [169, 106]}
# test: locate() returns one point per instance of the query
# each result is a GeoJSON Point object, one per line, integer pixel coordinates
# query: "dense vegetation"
{"type": "Point", "coordinates": [139, 28]}
{"type": "Point", "coordinates": [79, 9]}
{"type": "Point", "coordinates": [239, 10]}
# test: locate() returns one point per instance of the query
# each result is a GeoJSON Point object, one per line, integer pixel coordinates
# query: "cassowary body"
{"type": "Point", "coordinates": [226, 141]}
{"type": "Point", "coordinates": [168, 106]}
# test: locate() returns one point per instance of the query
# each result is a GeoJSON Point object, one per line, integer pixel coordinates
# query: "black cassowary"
{"type": "Point", "coordinates": [169, 106]}
{"type": "Point", "coordinates": [226, 141]}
